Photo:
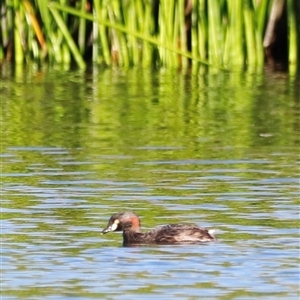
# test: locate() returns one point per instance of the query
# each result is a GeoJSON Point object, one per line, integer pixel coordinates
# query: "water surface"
{"type": "Point", "coordinates": [220, 151]}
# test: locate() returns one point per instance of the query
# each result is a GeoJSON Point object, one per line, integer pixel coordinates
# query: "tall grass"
{"type": "Point", "coordinates": [221, 33]}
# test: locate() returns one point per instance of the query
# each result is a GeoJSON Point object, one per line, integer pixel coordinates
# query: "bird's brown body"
{"type": "Point", "coordinates": [129, 223]}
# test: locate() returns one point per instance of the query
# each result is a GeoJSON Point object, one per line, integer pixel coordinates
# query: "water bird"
{"type": "Point", "coordinates": [130, 224]}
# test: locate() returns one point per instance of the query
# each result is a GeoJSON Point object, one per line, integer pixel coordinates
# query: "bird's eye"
{"type": "Point", "coordinates": [127, 225]}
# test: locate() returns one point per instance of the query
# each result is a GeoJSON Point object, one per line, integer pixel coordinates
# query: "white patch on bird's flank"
{"type": "Point", "coordinates": [115, 224]}
{"type": "Point", "coordinates": [212, 232]}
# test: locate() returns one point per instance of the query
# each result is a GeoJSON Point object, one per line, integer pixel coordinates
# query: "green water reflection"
{"type": "Point", "coordinates": [138, 107]}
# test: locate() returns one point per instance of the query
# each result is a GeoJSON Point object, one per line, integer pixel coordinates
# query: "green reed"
{"type": "Point", "coordinates": [223, 33]}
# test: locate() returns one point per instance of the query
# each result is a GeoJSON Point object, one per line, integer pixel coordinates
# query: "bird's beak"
{"type": "Point", "coordinates": [111, 227]}
{"type": "Point", "coordinates": [106, 230]}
